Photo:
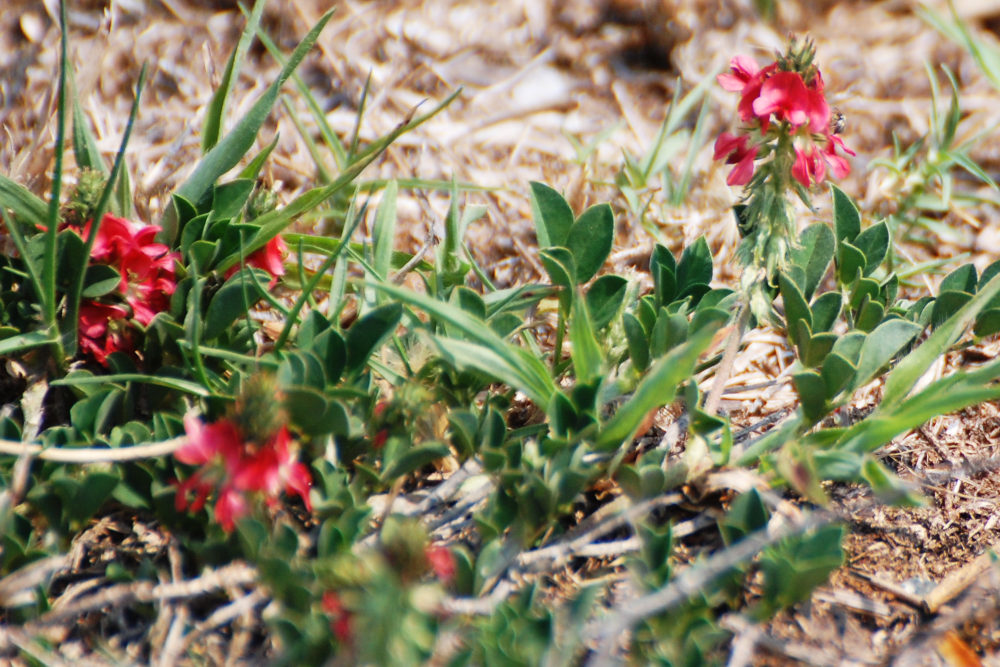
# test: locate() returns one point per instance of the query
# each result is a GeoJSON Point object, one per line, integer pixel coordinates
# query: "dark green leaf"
{"type": "Point", "coordinates": [962, 279]}
{"type": "Point", "coordinates": [814, 254]}
{"type": "Point", "coordinates": [695, 267]}
{"type": "Point", "coordinates": [638, 341]}
{"type": "Point", "coordinates": [99, 280]}
{"type": "Point", "coordinates": [605, 298]}
{"type": "Point", "coordinates": [232, 301]}
{"type": "Point", "coordinates": [837, 374]}
{"type": "Point", "coordinates": [846, 219]}
{"type": "Point", "coordinates": [850, 263]}
{"type": "Point", "coordinates": [874, 243]}
{"type": "Point", "coordinates": [553, 216]}
{"type": "Point", "coordinates": [825, 310]}
{"type": "Point", "coordinates": [590, 239]}
{"type": "Point", "coordinates": [367, 334]}
{"type": "Point", "coordinates": [414, 459]}
{"type": "Point", "coordinates": [812, 395]}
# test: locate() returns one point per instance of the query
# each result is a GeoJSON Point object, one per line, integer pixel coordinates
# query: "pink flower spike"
{"type": "Point", "coordinates": [742, 70]}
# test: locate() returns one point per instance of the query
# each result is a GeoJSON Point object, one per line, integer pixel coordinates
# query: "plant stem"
{"type": "Point", "coordinates": [725, 370]}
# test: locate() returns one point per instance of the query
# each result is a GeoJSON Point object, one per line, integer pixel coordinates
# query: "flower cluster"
{"type": "Point", "coordinates": [147, 281]}
{"type": "Point", "coordinates": [233, 466]}
{"type": "Point", "coordinates": [780, 101]}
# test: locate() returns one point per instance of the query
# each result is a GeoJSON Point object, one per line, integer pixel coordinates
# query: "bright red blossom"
{"type": "Point", "coordinates": [736, 150]}
{"type": "Point", "coordinates": [340, 617]}
{"type": "Point", "coordinates": [102, 330]}
{"type": "Point", "coordinates": [771, 95]}
{"type": "Point", "coordinates": [787, 97]}
{"type": "Point", "coordinates": [237, 468]}
{"type": "Point", "coordinates": [147, 281]}
{"type": "Point", "coordinates": [442, 561]}
{"type": "Point", "coordinates": [270, 258]}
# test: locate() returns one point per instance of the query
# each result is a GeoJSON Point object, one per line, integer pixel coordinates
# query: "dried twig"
{"type": "Point", "coordinates": [693, 580]}
{"type": "Point", "coordinates": [92, 454]}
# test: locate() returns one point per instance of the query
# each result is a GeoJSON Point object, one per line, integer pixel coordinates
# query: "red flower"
{"type": "Point", "coordinates": [242, 468]}
{"type": "Point", "coordinates": [838, 164]}
{"type": "Point", "coordinates": [207, 442]}
{"type": "Point", "coordinates": [743, 69]}
{"type": "Point", "coordinates": [808, 169]}
{"type": "Point", "coordinates": [442, 561]}
{"type": "Point", "coordinates": [100, 330]}
{"type": "Point", "coordinates": [147, 281]}
{"type": "Point", "coordinates": [340, 617]}
{"type": "Point", "coordinates": [786, 96]}
{"type": "Point", "coordinates": [737, 151]}
{"type": "Point", "coordinates": [270, 258]}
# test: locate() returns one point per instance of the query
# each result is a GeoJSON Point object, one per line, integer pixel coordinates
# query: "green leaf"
{"type": "Point", "coordinates": [605, 298]}
{"type": "Point", "coordinates": [695, 267]}
{"type": "Point", "coordinates": [637, 340]}
{"type": "Point", "coordinates": [817, 348]}
{"type": "Point", "coordinates": [367, 334]}
{"type": "Point", "coordinates": [663, 268]}
{"type": "Point", "coordinates": [97, 488]}
{"type": "Point", "coordinates": [870, 315]}
{"type": "Point", "coordinates": [814, 254]}
{"type": "Point", "coordinates": [881, 345]}
{"type": "Point", "coordinates": [949, 394]}
{"type": "Point", "coordinates": [825, 310]}
{"type": "Point", "coordinates": [301, 369]}
{"type": "Point", "coordinates": [99, 280]}
{"type": "Point", "coordinates": [228, 199]}
{"type": "Point", "coordinates": [846, 218]}
{"type": "Point", "coordinates": [228, 152]}
{"type": "Point", "coordinates": [85, 149]}
{"type": "Point", "coordinates": [747, 514]}
{"type": "Point", "coordinates": [656, 389]}
{"type": "Point", "coordinates": [850, 263]}
{"type": "Point", "coordinates": [988, 323]}
{"type": "Point", "coordinates": [837, 373]}
{"type": "Point", "coordinates": [232, 301]}
{"type": "Point", "coordinates": [796, 308]}
{"type": "Point", "coordinates": [553, 216]}
{"type": "Point", "coordinates": [670, 330]}
{"type": "Point", "coordinates": [962, 279]}
{"type": "Point", "coordinates": [588, 361]}
{"type": "Point", "coordinates": [315, 413]}
{"type": "Point", "coordinates": [874, 243]}
{"type": "Point", "coordinates": [178, 384]}
{"type": "Point", "coordinates": [590, 239]}
{"type": "Point", "coordinates": [384, 232]}
{"type": "Point", "coordinates": [812, 395]}
{"type": "Point", "coordinates": [559, 264]}
{"type": "Point", "coordinates": [532, 375]}
{"type": "Point", "coordinates": [27, 207]}
{"type": "Point", "coordinates": [904, 377]}
{"type": "Point", "coordinates": [217, 106]}
{"type": "Point", "coordinates": [414, 459]}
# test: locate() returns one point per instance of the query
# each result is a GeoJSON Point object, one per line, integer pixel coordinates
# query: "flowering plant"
{"type": "Point", "coordinates": [787, 142]}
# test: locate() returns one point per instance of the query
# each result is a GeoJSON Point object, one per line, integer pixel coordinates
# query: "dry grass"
{"type": "Point", "coordinates": [533, 72]}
